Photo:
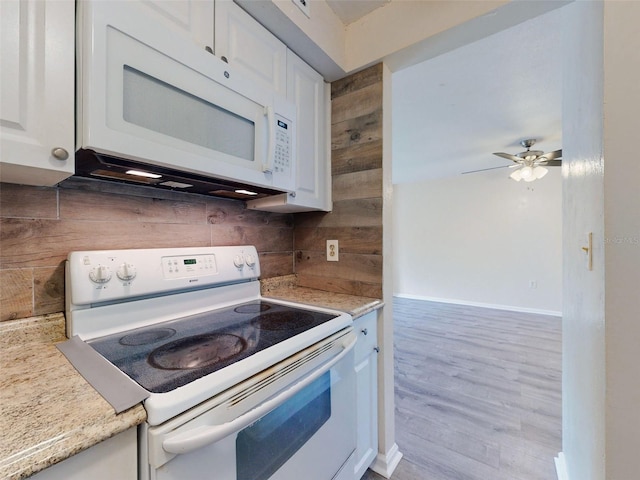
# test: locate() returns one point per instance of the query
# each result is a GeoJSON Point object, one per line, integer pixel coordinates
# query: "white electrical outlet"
{"type": "Point", "coordinates": [304, 6]}
{"type": "Point", "coordinates": [533, 284]}
{"type": "Point", "coordinates": [332, 250]}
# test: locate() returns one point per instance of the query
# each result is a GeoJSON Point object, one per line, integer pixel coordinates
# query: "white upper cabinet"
{"type": "Point", "coordinates": [253, 51]}
{"type": "Point", "coordinates": [193, 19]}
{"type": "Point", "coordinates": [36, 91]}
{"type": "Point", "coordinates": [307, 89]}
{"type": "Point", "coordinates": [250, 48]}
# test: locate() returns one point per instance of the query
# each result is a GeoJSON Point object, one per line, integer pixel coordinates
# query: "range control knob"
{"type": "Point", "coordinates": [126, 272]}
{"type": "Point", "coordinates": [238, 261]}
{"type": "Point", "coordinates": [250, 260]}
{"type": "Point", "coordinates": [100, 274]}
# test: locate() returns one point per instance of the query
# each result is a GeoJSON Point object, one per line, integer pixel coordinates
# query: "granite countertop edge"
{"type": "Point", "coordinates": [286, 288]}
{"type": "Point", "coordinates": [49, 411]}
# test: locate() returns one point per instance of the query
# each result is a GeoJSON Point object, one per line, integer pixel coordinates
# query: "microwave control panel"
{"type": "Point", "coordinates": [283, 145]}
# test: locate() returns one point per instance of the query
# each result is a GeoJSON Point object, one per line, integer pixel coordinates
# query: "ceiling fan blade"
{"type": "Point", "coordinates": [553, 163]}
{"type": "Point", "coordinates": [508, 156]}
{"type": "Point", "coordinates": [485, 169]}
{"type": "Point", "coordinates": [552, 155]}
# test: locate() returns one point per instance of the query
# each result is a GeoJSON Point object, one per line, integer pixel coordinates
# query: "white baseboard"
{"type": "Point", "coordinates": [561, 467]}
{"type": "Point", "coordinates": [511, 308]}
{"type": "Point", "coordinates": [385, 464]}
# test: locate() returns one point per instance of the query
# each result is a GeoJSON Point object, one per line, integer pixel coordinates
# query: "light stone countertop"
{"type": "Point", "coordinates": [285, 288]}
{"type": "Point", "coordinates": [48, 412]}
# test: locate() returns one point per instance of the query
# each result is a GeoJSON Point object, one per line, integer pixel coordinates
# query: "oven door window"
{"type": "Point", "coordinates": [267, 444]}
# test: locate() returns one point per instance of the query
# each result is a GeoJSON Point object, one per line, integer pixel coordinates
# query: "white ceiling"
{"type": "Point", "coordinates": [451, 112]}
{"type": "Point", "coordinates": [351, 10]}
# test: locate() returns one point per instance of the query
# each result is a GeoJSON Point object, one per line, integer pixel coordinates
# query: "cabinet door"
{"type": "Point", "coordinates": [37, 91]}
{"type": "Point", "coordinates": [249, 47]}
{"type": "Point", "coordinates": [366, 367]}
{"type": "Point", "coordinates": [114, 458]}
{"type": "Point", "coordinates": [307, 89]}
{"type": "Point", "coordinates": [191, 18]}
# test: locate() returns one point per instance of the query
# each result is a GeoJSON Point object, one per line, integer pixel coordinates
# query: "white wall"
{"type": "Point", "coordinates": [583, 361]}
{"type": "Point", "coordinates": [622, 238]}
{"type": "Point", "coordinates": [379, 34]}
{"type": "Point", "coordinates": [428, 28]}
{"type": "Point", "coordinates": [601, 327]}
{"type": "Point", "coordinates": [480, 239]}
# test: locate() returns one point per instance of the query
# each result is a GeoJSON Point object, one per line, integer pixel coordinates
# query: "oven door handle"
{"type": "Point", "coordinates": [207, 434]}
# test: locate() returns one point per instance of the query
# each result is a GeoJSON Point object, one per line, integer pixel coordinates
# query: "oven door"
{"type": "Point", "coordinates": [295, 420]}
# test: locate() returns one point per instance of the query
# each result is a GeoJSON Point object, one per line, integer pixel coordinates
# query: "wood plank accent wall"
{"type": "Point", "coordinates": [39, 226]}
{"type": "Point", "coordinates": [356, 219]}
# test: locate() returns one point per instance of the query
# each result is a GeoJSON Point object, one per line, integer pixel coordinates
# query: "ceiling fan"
{"type": "Point", "coordinates": [530, 163]}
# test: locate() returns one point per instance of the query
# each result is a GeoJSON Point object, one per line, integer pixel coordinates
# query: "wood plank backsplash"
{"type": "Point", "coordinates": [39, 226]}
{"type": "Point", "coordinates": [356, 219]}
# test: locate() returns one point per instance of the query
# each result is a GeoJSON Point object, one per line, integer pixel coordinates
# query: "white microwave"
{"type": "Point", "coordinates": [155, 109]}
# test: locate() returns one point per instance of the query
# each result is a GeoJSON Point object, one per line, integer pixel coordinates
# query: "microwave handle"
{"type": "Point", "coordinates": [267, 166]}
{"type": "Point", "coordinates": [201, 436]}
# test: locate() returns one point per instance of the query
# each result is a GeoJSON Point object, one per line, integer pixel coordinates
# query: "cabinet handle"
{"type": "Point", "coordinates": [365, 331]}
{"type": "Point", "coordinates": [376, 349]}
{"type": "Point", "coordinates": [59, 153]}
{"type": "Point", "coordinates": [209, 49]}
{"type": "Point", "coordinates": [224, 59]}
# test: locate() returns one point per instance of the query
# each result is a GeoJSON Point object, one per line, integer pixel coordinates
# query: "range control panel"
{"type": "Point", "coordinates": [189, 266]}
{"type": "Point", "coordinates": [107, 275]}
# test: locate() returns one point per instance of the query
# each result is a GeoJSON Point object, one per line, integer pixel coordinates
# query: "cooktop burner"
{"type": "Point", "coordinates": [252, 308]}
{"type": "Point", "coordinates": [197, 351]}
{"type": "Point", "coordinates": [147, 336]}
{"type": "Point", "coordinates": [171, 354]}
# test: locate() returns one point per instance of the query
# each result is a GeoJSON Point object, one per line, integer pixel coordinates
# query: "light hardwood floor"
{"type": "Point", "coordinates": [478, 393]}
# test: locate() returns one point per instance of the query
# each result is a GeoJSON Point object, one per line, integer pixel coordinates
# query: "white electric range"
{"type": "Point", "coordinates": [236, 384]}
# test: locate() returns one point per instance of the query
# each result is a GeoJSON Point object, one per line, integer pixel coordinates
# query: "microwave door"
{"type": "Point", "coordinates": [150, 97]}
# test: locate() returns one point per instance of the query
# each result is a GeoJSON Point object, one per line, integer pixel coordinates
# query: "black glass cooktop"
{"type": "Point", "coordinates": [171, 354]}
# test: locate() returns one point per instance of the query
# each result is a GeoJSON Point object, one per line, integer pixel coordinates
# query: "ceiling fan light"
{"type": "Point", "coordinates": [540, 172]}
{"type": "Point", "coordinates": [516, 175]}
{"type": "Point", "coordinates": [526, 172]}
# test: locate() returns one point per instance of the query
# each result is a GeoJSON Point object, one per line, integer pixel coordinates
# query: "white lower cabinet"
{"type": "Point", "coordinates": [114, 458]}
{"type": "Point", "coordinates": [366, 366]}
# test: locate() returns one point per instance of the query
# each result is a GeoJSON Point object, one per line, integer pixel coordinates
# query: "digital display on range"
{"type": "Point", "coordinates": [282, 124]}
{"type": "Point", "coordinates": [190, 261]}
